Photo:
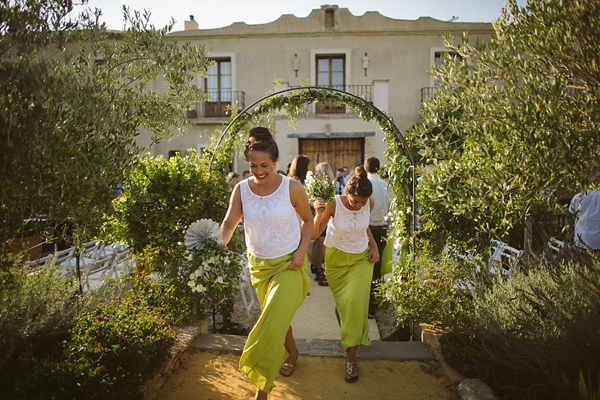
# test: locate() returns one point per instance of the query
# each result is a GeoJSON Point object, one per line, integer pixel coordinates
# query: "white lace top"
{"type": "Point", "coordinates": [347, 230]}
{"type": "Point", "coordinates": [271, 224]}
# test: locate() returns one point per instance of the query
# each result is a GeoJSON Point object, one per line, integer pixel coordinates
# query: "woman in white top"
{"type": "Point", "coordinates": [349, 257]}
{"type": "Point", "coordinates": [272, 206]}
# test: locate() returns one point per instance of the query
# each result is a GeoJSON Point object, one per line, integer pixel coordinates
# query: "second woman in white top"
{"type": "Point", "coordinates": [349, 257]}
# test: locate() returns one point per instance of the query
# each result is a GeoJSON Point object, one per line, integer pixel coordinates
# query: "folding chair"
{"type": "Point", "coordinates": [503, 257]}
{"type": "Point", "coordinates": [246, 285]}
{"type": "Point", "coordinates": [96, 273]}
{"type": "Point", "coordinates": [57, 258]}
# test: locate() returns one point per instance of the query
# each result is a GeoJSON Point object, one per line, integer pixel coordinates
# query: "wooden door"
{"type": "Point", "coordinates": [346, 152]}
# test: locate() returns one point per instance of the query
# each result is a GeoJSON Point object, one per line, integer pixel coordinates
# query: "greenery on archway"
{"type": "Point", "coordinates": [293, 102]}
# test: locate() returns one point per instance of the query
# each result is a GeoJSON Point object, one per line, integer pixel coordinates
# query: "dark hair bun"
{"type": "Point", "coordinates": [360, 172]}
{"type": "Point", "coordinates": [260, 139]}
{"type": "Point", "coordinates": [260, 134]}
{"type": "Point", "coordinates": [359, 184]}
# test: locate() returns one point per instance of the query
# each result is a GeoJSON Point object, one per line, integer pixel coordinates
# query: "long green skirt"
{"type": "Point", "coordinates": [349, 277]}
{"type": "Point", "coordinates": [281, 291]}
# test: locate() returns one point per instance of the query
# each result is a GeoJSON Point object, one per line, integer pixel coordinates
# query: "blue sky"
{"type": "Point", "coordinates": [216, 14]}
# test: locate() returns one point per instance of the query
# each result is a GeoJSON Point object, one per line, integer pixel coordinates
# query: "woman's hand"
{"type": "Point", "coordinates": [319, 205]}
{"type": "Point", "coordinates": [374, 254]}
{"type": "Point", "coordinates": [297, 260]}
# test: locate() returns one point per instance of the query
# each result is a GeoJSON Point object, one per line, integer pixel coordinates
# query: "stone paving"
{"type": "Point", "coordinates": [406, 370]}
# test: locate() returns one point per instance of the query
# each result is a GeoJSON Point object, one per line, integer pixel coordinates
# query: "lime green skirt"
{"type": "Point", "coordinates": [349, 277]}
{"type": "Point", "coordinates": [281, 291]}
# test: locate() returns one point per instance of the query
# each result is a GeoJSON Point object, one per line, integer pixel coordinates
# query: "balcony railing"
{"type": "Point", "coordinates": [427, 93]}
{"type": "Point", "coordinates": [331, 107]}
{"type": "Point", "coordinates": [219, 105]}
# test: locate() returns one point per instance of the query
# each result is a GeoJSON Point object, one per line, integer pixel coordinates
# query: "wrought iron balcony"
{"type": "Point", "coordinates": [427, 93]}
{"type": "Point", "coordinates": [219, 105]}
{"type": "Point", "coordinates": [331, 107]}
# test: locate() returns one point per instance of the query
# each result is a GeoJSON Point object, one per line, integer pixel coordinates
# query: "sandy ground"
{"type": "Point", "coordinates": [213, 376]}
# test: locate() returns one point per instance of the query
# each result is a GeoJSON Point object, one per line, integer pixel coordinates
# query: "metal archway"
{"type": "Point", "coordinates": [398, 135]}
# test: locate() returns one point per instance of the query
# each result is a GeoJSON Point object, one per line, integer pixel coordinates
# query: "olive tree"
{"type": "Point", "coordinates": [512, 123]}
{"type": "Point", "coordinates": [74, 97]}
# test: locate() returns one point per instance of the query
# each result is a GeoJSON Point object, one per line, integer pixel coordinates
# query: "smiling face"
{"type": "Point", "coordinates": [356, 202]}
{"type": "Point", "coordinates": [261, 166]}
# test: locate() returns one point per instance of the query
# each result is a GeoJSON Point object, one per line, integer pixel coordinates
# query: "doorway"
{"type": "Point", "coordinates": [339, 152]}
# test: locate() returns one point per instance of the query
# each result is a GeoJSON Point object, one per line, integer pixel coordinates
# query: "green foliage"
{"type": "Point", "coordinates": [36, 311]}
{"type": "Point", "coordinates": [532, 334]}
{"type": "Point", "coordinates": [112, 351]}
{"type": "Point", "coordinates": [170, 301]}
{"type": "Point", "coordinates": [160, 200]}
{"type": "Point", "coordinates": [431, 288]}
{"type": "Point", "coordinates": [73, 99]}
{"type": "Point", "coordinates": [293, 103]}
{"type": "Point", "coordinates": [120, 346]}
{"type": "Point", "coordinates": [511, 123]}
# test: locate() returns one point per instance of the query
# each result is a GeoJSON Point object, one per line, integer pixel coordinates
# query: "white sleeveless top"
{"type": "Point", "coordinates": [271, 224]}
{"type": "Point", "coordinates": [347, 230]}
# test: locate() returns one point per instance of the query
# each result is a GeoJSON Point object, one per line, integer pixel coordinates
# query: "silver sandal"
{"type": "Point", "coordinates": [351, 367]}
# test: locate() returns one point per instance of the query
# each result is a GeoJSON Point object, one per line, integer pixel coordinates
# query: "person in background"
{"type": "Point", "coordinates": [377, 223]}
{"type": "Point", "coordinates": [350, 254]}
{"type": "Point", "coordinates": [339, 181]}
{"type": "Point", "coordinates": [246, 174]}
{"type": "Point", "coordinates": [232, 179]}
{"type": "Point", "coordinates": [299, 168]}
{"type": "Point", "coordinates": [346, 175]}
{"type": "Point", "coordinates": [586, 205]}
{"type": "Point", "coordinates": [278, 226]}
{"type": "Point", "coordinates": [322, 169]}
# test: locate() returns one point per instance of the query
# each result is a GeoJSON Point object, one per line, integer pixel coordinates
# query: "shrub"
{"type": "Point", "coordinates": [170, 301]}
{"type": "Point", "coordinates": [431, 289]}
{"type": "Point", "coordinates": [161, 198]}
{"type": "Point", "coordinates": [535, 332]}
{"type": "Point", "coordinates": [112, 351]}
{"type": "Point", "coordinates": [36, 312]}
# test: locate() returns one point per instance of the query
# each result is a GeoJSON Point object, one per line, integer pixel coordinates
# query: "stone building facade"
{"type": "Point", "coordinates": [383, 60]}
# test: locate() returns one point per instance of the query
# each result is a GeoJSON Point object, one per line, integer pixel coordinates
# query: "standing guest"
{"type": "Point", "coordinates": [586, 205]}
{"type": "Point", "coordinates": [377, 223]}
{"type": "Point", "coordinates": [272, 206]}
{"type": "Point", "coordinates": [346, 175]}
{"type": "Point", "coordinates": [350, 253]}
{"type": "Point", "coordinates": [299, 168]}
{"type": "Point", "coordinates": [232, 179]}
{"type": "Point", "coordinates": [245, 174]}
{"type": "Point", "coordinates": [318, 256]}
{"type": "Point", "coordinates": [339, 181]}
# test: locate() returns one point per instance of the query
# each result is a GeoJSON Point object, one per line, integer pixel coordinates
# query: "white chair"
{"type": "Point", "coordinates": [88, 256]}
{"type": "Point", "coordinates": [122, 265]}
{"type": "Point", "coordinates": [553, 248]}
{"type": "Point", "coordinates": [56, 258]}
{"type": "Point", "coordinates": [95, 274]}
{"type": "Point", "coordinates": [246, 289]}
{"type": "Point", "coordinates": [503, 257]}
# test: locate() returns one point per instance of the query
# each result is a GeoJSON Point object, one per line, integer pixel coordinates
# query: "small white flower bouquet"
{"type": "Point", "coordinates": [211, 269]}
{"type": "Point", "coordinates": [322, 188]}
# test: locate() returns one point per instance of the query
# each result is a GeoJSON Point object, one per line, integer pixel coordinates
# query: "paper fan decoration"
{"type": "Point", "coordinates": [201, 230]}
